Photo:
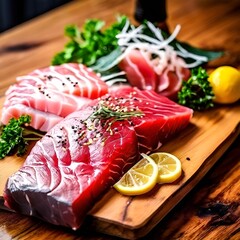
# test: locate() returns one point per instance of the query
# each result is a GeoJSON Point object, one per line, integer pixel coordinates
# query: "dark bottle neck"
{"type": "Point", "coordinates": [151, 10]}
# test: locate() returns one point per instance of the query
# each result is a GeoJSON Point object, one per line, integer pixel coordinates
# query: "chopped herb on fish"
{"type": "Point", "coordinates": [117, 112]}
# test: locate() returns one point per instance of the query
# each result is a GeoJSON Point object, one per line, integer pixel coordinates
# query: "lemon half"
{"type": "Point", "coordinates": [225, 82]}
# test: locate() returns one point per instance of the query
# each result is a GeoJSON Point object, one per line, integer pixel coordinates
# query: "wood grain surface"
{"type": "Point", "coordinates": [207, 24]}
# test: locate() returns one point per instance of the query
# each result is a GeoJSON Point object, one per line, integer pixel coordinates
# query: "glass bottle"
{"type": "Point", "coordinates": [152, 10]}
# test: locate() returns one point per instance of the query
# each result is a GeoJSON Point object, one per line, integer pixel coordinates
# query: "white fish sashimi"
{"type": "Point", "coordinates": [39, 120]}
{"type": "Point", "coordinates": [55, 90]}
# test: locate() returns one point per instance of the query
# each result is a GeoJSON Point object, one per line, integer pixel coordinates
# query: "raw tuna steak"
{"type": "Point", "coordinates": [57, 90]}
{"type": "Point", "coordinates": [162, 117]}
{"type": "Point", "coordinates": [70, 167]}
{"type": "Point", "coordinates": [82, 156]}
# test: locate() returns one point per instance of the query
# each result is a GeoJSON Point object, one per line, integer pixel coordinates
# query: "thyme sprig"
{"type": "Point", "coordinates": [117, 113]}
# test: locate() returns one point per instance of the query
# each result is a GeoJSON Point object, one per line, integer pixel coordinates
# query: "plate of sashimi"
{"type": "Point", "coordinates": [95, 111]}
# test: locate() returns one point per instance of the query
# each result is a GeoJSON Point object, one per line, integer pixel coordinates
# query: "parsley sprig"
{"type": "Point", "coordinates": [88, 44]}
{"type": "Point", "coordinates": [197, 93]}
{"type": "Point", "coordinates": [14, 136]}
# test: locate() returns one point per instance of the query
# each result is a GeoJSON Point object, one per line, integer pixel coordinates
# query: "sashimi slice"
{"type": "Point", "coordinates": [71, 78]}
{"type": "Point", "coordinates": [70, 168]}
{"type": "Point", "coordinates": [163, 74]}
{"type": "Point", "coordinates": [43, 99]}
{"type": "Point", "coordinates": [139, 71]}
{"type": "Point", "coordinates": [169, 85]}
{"type": "Point", "coordinates": [58, 90]}
{"type": "Point", "coordinates": [39, 120]}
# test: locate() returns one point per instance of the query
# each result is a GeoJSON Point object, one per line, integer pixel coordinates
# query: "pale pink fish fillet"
{"type": "Point", "coordinates": [43, 99]}
{"type": "Point", "coordinates": [71, 78]}
{"type": "Point", "coordinates": [58, 90]}
{"type": "Point", "coordinates": [42, 121]}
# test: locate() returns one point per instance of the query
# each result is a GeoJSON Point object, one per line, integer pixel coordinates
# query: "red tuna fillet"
{"type": "Point", "coordinates": [86, 153]}
{"type": "Point", "coordinates": [57, 90]}
{"type": "Point", "coordinates": [162, 117]}
{"type": "Point", "coordinates": [70, 167]}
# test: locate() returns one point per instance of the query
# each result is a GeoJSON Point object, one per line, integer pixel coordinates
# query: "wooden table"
{"type": "Point", "coordinates": [205, 23]}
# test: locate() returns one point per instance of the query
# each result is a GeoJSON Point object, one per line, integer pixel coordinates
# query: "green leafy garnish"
{"type": "Point", "coordinates": [196, 92]}
{"type": "Point", "coordinates": [210, 55]}
{"type": "Point", "coordinates": [117, 113]}
{"type": "Point", "coordinates": [15, 135]}
{"type": "Point", "coordinates": [90, 43]}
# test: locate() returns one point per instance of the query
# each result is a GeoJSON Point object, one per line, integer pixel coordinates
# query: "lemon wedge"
{"type": "Point", "coordinates": [139, 179]}
{"type": "Point", "coordinates": [169, 167]}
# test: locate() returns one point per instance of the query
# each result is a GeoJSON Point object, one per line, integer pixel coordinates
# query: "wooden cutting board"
{"type": "Point", "coordinates": [199, 146]}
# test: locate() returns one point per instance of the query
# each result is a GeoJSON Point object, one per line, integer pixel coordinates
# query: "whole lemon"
{"type": "Point", "coordinates": [225, 82]}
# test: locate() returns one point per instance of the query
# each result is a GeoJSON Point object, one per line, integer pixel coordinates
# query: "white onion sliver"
{"type": "Point", "coordinates": [113, 75]}
{"type": "Point", "coordinates": [126, 26]}
{"type": "Point", "coordinates": [156, 31]}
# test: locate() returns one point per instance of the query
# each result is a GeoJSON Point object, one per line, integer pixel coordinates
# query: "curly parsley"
{"type": "Point", "coordinates": [15, 136]}
{"type": "Point", "coordinates": [197, 93]}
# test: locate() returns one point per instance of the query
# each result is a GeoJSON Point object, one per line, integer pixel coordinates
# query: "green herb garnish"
{"type": "Point", "coordinates": [90, 43]}
{"type": "Point", "coordinates": [197, 93]}
{"type": "Point", "coordinates": [15, 136]}
{"type": "Point", "coordinates": [117, 113]}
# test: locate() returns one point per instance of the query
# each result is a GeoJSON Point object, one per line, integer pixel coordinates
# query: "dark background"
{"type": "Point", "coordinates": [14, 12]}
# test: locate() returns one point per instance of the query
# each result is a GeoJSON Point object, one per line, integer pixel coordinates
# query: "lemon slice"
{"type": "Point", "coordinates": [141, 178]}
{"type": "Point", "coordinates": [169, 167]}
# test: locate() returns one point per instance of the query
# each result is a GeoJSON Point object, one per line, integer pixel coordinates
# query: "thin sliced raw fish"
{"type": "Point", "coordinates": [39, 120]}
{"type": "Point", "coordinates": [44, 99]}
{"type": "Point", "coordinates": [58, 90]}
{"type": "Point", "coordinates": [163, 74]}
{"type": "Point", "coordinates": [70, 78]}
{"type": "Point", "coordinates": [139, 71]}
